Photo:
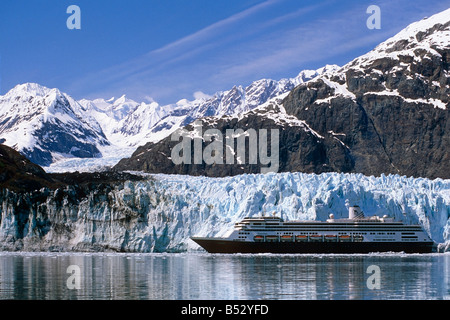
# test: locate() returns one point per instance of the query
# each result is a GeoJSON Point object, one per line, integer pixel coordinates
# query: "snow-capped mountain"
{"type": "Point", "coordinates": [54, 130]}
{"type": "Point", "coordinates": [390, 107]}
{"type": "Point", "coordinates": [152, 122]}
{"type": "Point", "coordinates": [384, 112]}
{"type": "Point", "coordinates": [109, 113]}
{"type": "Point", "coordinates": [45, 125]}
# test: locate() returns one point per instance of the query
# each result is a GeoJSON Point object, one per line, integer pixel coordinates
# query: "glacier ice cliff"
{"type": "Point", "coordinates": [160, 213]}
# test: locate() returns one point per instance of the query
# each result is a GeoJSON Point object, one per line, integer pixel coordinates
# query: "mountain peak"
{"type": "Point", "coordinates": [429, 35]}
{"type": "Point", "coordinates": [428, 23]}
{"type": "Point", "coordinates": [395, 95]}
{"type": "Point", "coordinates": [44, 124]}
{"type": "Point", "coordinates": [328, 68]}
{"type": "Point", "coordinates": [306, 75]}
{"type": "Point", "coordinates": [123, 99]}
{"type": "Point", "coordinates": [29, 88]}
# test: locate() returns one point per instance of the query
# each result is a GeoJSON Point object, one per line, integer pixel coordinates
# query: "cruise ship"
{"type": "Point", "coordinates": [355, 234]}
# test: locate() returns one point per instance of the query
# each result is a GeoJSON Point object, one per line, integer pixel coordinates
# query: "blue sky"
{"type": "Point", "coordinates": [166, 50]}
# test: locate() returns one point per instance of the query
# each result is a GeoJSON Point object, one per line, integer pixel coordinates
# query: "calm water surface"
{"type": "Point", "coordinates": [205, 276]}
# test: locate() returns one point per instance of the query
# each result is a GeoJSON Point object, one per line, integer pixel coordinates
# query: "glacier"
{"type": "Point", "coordinates": [159, 213]}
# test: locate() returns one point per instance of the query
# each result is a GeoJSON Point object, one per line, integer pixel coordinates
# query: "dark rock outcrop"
{"type": "Point", "coordinates": [390, 107]}
{"type": "Point", "coordinates": [384, 112]}
{"type": "Point", "coordinates": [300, 148]}
{"type": "Point", "coordinates": [19, 173]}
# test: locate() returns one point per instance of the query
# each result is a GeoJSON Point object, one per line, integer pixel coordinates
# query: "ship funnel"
{"type": "Point", "coordinates": [355, 212]}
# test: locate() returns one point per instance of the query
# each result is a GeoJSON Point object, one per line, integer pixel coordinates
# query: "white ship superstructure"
{"type": "Point", "coordinates": [355, 228]}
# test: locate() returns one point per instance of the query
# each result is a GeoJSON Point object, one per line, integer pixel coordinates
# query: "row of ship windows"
{"type": "Point", "coordinates": [339, 233]}
{"type": "Point", "coordinates": [339, 229]}
{"type": "Point", "coordinates": [307, 233]}
{"type": "Point", "coordinates": [327, 226]}
{"type": "Point", "coordinates": [388, 233]}
{"type": "Point", "coordinates": [324, 224]}
{"type": "Point", "coordinates": [318, 223]}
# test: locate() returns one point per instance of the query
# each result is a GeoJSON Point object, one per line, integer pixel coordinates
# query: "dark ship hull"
{"type": "Point", "coordinates": [217, 245]}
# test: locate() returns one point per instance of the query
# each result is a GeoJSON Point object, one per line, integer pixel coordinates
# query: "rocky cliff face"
{"type": "Point", "coordinates": [299, 149]}
{"type": "Point", "coordinates": [384, 112]}
{"type": "Point", "coordinates": [20, 174]}
{"type": "Point", "coordinates": [390, 106]}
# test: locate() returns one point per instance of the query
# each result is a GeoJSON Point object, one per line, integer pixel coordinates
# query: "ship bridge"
{"type": "Point", "coordinates": [249, 222]}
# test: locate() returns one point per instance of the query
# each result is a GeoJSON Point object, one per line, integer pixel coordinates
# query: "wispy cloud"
{"type": "Point", "coordinates": [328, 35]}
{"type": "Point", "coordinates": [259, 41]}
{"type": "Point", "coordinates": [177, 51]}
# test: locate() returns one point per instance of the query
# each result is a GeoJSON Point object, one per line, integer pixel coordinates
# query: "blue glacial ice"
{"type": "Point", "coordinates": [204, 206]}
{"type": "Point", "coordinates": [162, 212]}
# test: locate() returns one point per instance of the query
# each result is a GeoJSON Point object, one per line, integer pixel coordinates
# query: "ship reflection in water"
{"type": "Point", "coordinates": [225, 276]}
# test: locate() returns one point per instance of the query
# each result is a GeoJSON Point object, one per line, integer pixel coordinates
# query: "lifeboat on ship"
{"type": "Point", "coordinates": [271, 238]}
{"type": "Point", "coordinates": [345, 238]}
{"type": "Point", "coordinates": [258, 238]}
{"type": "Point", "coordinates": [330, 237]}
{"type": "Point", "coordinates": [286, 238]}
{"type": "Point", "coordinates": [301, 238]}
{"type": "Point", "coordinates": [315, 237]}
